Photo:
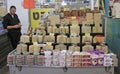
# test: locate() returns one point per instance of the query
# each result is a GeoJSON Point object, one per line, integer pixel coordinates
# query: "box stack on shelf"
{"type": "Point", "coordinates": [65, 42]}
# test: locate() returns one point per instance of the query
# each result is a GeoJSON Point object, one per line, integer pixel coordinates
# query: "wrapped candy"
{"type": "Point", "coordinates": [34, 38]}
{"type": "Point", "coordinates": [31, 49]}
{"type": "Point", "coordinates": [48, 58]}
{"type": "Point", "coordinates": [87, 39]}
{"type": "Point", "coordinates": [30, 60]}
{"type": "Point", "coordinates": [20, 59]}
{"type": "Point", "coordinates": [36, 49]}
{"type": "Point", "coordinates": [86, 29]}
{"type": "Point", "coordinates": [24, 48]}
{"type": "Point", "coordinates": [75, 30]}
{"type": "Point", "coordinates": [40, 60]}
{"type": "Point", "coordinates": [61, 39]}
{"type": "Point", "coordinates": [74, 48]}
{"type": "Point", "coordinates": [11, 59]}
{"type": "Point", "coordinates": [60, 47]}
{"type": "Point", "coordinates": [55, 58]}
{"type": "Point", "coordinates": [40, 38]}
{"type": "Point", "coordinates": [25, 39]}
{"type": "Point", "coordinates": [86, 48]}
{"type": "Point", "coordinates": [75, 39]}
{"type": "Point", "coordinates": [19, 49]}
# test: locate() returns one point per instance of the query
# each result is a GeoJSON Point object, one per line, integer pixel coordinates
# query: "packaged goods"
{"type": "Point", "coordinates": [99, 39]}
{"type": "Point", "coordinates": [19, 49]}
{"type": "Point", "coordinates": [68, 40]}
{"type": "Point", "coordinates": [40, 38]}
{"type": "Point", "coordinates": [86, 29]}
{"type": "Point", "coordinates": [56, 30]}
{"type": "Point", "coordinates": [40, 60]}
{"type": "Point", "coordinates": [34, 38]}
{"type": "Point", "coordinates": [40, 30]}
{"type": "Point", "coordinates": [61, 47]}
{"type": "Point", "coordinates": [49, 38]}
{"type": "Point", "coordinates": [24, 48]}
{"type": "Point", "coordinates": [110, 60]}
{"type": "Point", "coordinates": [74, 48]}
{"type": "Point", "coordinates": [31, 49]}
{"type": "Point", "coordinates": [50, 29]}
{"type": "Point", "coordinates": [74, 13]}
{"type": "Point", "coordinates": [97, 29]}
{"type": "Point", "coordinates": [69, 58]}
{"type": "Point", "coordinates": [56, 19]}
{"type": "Point", "coordinates": [56, 54]}
{"type": "Point", "coordinates": [97, 18]}
{"type": "Point", "coordinates": [75, 39]}
{"type": "Point", "coordinates": [36, 49]}
{"type": "Point", "coordinates": [11, 59]}
{"type": "Point", "coordinates": [48, 58]}
{"type": "Point", "coordinates": [74, 22]}
{"type": "Point", "coordinates": [30, 60]}
{"type": "Point", "coordinates": [76, 59]}
{"type": "Point", "coordinates": [62, 58]}
{"type": "Point", "coordinates": [64, 29]}
{"type": "Point", "coordinates": [67, 13]}
{"type": "Point", "coordinates": [87, 47]}
{"type": "Point", "coordinates": [20, 59]}
{"type": "Point", "coordinates": [102, 47]}
{"type": "Point", "coordinates": [87, 39]}
{"type": "Point", "coordinates": [101, 60]}
{"type": "Point", "coordinates": [94, 60]}
{"type": "Point", "coordinates": [75, 30]}
{"type": "Point", "coordinates": [25, 39]}
{"type": "Point", "coordinates": [61, 39]}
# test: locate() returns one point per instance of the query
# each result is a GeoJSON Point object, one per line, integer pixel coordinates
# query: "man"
{"type": "Point", "coordinates": [11, 23]}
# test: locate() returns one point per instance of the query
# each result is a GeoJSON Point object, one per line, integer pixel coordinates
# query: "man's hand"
{"type": "Point", "coordinates": [17, 26]}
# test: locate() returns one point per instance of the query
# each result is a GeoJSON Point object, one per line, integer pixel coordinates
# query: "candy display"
{"type": "Point", "coordinates": [68, 58]}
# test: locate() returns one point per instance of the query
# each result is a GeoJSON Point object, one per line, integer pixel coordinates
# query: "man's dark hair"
{"type": "Point", "coordinates": [12, 7]}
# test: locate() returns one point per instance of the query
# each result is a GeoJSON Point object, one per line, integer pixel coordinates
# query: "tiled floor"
{"type": "Point", "coordinates": [4, 70]}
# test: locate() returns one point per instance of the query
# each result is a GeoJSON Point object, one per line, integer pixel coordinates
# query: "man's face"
{"type": "Point", "coordinates": [12, 11]}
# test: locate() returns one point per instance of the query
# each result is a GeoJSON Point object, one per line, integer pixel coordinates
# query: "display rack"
{"type": "Point", "coordinates": [27, 69]}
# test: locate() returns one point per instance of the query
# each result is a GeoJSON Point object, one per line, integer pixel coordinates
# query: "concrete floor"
{"type": "Point", "coordinates": [4, 70]}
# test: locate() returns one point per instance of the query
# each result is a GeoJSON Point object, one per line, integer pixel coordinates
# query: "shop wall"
{"type": "Point", "coordinates": [113, 36]}
{"type": "Point", "coordinates": [23, 14]}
